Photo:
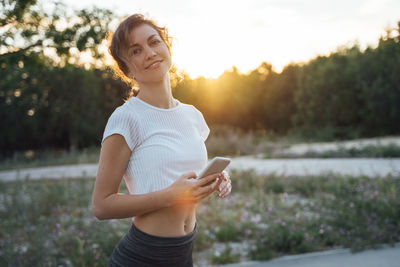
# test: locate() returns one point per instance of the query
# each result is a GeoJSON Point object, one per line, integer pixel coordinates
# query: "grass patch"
{"type": "Point", "coordinates": [225, 257]}
{"type": "Point", "coordinates": [50, 223]}
{"type": "Point", "coordinates": [44, 158]}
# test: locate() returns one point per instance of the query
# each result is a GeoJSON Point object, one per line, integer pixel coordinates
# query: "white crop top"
{"type": "Point", "coordinates": [165, 143]}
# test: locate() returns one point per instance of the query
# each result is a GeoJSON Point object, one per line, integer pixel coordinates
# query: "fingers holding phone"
{"type": "Point", "coordinates": [225, 187]}
{"type": "Point", "coordinates": [186, 189]}
{"type": "Point", "coordinates": [209, 184]}
{"type": "Point", "coordinates": [216, 165]}
{"type": "Point", "coordinates": [189, 190]}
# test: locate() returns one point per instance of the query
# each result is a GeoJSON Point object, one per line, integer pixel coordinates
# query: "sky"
{"type": "Point", "coordinates": [211, 36]}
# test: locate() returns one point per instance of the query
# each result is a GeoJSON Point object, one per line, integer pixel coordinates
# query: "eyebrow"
{"type": "Point", "coordinates": [136, 44]}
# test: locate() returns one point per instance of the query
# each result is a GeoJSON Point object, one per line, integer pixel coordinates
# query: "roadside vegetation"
{"type": "Point", "coordinates": [50, 223]}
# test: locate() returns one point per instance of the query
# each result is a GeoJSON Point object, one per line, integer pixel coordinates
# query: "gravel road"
{"type": "Point", "coordinates": [352, 166]}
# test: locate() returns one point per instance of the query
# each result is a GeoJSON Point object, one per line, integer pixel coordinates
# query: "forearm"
{"type": "Point", "coordinates": [119, 206]}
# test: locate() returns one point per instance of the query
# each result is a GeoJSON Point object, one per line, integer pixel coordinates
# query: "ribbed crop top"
{"type": "Point", "coordinates": [165, 143]}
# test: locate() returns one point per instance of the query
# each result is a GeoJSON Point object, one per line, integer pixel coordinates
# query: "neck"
{"type": "Point", "coordinates": [157, 93]}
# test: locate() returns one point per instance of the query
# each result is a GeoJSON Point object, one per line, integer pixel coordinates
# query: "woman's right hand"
{"type": "Point", "coordinates": [186, 189]}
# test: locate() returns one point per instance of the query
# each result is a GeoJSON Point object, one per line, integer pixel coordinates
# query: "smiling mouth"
{"type": "Point", "coordinates": [158, 61]}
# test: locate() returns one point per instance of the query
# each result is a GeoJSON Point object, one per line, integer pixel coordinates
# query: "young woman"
{"type": "Point", "coordinates": [157, 144]}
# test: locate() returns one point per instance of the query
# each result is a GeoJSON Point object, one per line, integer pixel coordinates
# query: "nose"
{"type": "Point", "coordinates": [150, 52]}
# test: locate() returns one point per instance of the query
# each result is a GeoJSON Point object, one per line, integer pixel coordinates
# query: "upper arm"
{"type": "Point", "coordinates": [114, 158]}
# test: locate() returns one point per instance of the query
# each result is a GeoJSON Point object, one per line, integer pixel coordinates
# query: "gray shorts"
{"type": "Point", "coordinates": [138, 248]}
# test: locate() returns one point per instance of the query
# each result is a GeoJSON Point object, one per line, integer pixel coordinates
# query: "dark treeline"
{"type": "Point", "coordinates": [56, 102]}
{"type": "Point", "coordinates": [348, 94]}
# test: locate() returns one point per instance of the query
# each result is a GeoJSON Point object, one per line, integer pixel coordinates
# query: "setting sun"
{"type": "Point", "coordinates": [212, 36]}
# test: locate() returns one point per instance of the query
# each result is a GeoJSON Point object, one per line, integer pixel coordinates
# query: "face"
{"type": "Point", "coordinates": [147, 55]}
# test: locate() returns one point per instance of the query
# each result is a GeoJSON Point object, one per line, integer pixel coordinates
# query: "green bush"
{"type": "Point", "coordinates": [228, 232]}
{"type": "Point", "coordinates": [225, 257]}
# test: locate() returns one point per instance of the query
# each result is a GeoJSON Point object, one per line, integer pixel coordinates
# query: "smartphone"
{"type": "Point", "coordinates": [217, 164]}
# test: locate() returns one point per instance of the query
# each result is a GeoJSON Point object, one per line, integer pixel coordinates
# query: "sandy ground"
{"type": "Point", "coordinates": [386, 257]}
{"type": "Point", "coordinates": [302, 148]}
{"type": "Point", "coordinates": [345, 166]}
{"type": "Point", "coordinates": [352, 166]}
{"type": "Point", "coordinates": [372, 167]}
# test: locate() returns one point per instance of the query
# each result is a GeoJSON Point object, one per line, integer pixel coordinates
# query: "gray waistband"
{"type": "Point", "coordinates": [154, 240]}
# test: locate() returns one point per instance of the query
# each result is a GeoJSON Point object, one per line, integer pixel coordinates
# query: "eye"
{"type": "Point", "coordinates": [156, 41]}
{"type": "Point", "coordinates": [135, 51]}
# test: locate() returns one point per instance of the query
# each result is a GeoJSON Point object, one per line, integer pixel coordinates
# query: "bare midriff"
{"type": "Point", "coordinates": [168, 222]}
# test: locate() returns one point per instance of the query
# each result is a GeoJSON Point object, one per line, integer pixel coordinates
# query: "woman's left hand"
{"type": "Point", "coordinates": [226, 186]}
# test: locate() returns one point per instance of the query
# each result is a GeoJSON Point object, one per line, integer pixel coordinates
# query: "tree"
{"type": "Point", "coordinates": [34, 84]}
{"type": "Point", "coordinates": [27, 28]}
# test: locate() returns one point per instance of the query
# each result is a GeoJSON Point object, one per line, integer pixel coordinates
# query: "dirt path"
{"type": "Point", "coordinates": [303, 148]}
{"type": "Point", "coordinates": [352, 166]}
{"type": "Point", "coordinates": [371, 167]}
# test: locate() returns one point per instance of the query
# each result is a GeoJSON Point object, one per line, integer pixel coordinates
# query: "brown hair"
{"type": "Point", "coordinates": [118, 42]}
